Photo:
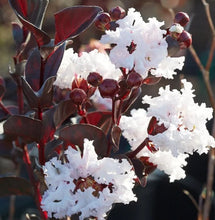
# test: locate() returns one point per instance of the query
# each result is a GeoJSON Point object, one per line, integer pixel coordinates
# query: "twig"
{"type": "Point", "coordinates": [211, 54]}
{"type": "Point", "coordinates": [207, 10]}
{"type": "Point", "coordinates": [187, 193]}
{"type": "Point", "coordinates": [35, 183]}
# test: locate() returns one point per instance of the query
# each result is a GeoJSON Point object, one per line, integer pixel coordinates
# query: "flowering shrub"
{"type": "Point", "coordinates": [78, 161]}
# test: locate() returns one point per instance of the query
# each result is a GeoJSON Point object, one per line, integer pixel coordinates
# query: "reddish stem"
{"type": "Point", "coordinates": [41, 144]}
{"type": "Point", "coordinates": [138, 149]}
{"type": "Point", "coordinates": [35, 184]}
{"type": "Point", "coordinates": [4, 108]}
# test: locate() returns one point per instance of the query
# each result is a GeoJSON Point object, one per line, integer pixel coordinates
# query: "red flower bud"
{"type": "Point", "coordinates": [78, 96]}
{"type": "Point", "coordinates": [117, 13]}
{"type": "Point", "coordinates": [94, 79]}
{"type": "Point", "coordinates": [154, 128]}
{"type": "Point", "coordinates": [134, 79]}
{"type": "Point", "coordinates": [181, 18]}
{"type": "Point", "coordinates": [108, 88]}
{"type": "Point", "coordinates": [185, 40]}
{"type": "Point", "coordinates": [102, 20]}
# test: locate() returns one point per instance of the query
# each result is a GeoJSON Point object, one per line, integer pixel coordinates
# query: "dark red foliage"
{"type": "Point", "coordinates": [15, 186]}
{"type": "Point", "coordinates": [100, 119]}
{"type": "Point", "coordinates": [116, 135]}
{"type": "Point", "coordinates": [75, 135]}
{"type": "Point", "coordinates": [131, 99]}
{"type": "Point", "coordinates": [151, 80]}
{"type": "Point", "coordinates": [28, 129]}
{"type": "Point", "coordinates": [154, 128]}
{"type": "Point", "coordinates": [31, 10]}
{"type": "Point", "coordinates": [70, 22]}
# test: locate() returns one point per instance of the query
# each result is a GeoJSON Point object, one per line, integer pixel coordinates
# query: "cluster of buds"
{"type": "Point", "coordinates": [177, 32]}
{"type": "Point", "coordinates": [106, 21]}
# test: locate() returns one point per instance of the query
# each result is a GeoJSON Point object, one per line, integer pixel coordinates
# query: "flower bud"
{"type": "Point", "coordinates": [108, 88]}
{"type": "Point", "coordinates": [185, 40]}
{"type": "Point", "coordinates": [94, 79]}
{"type": "Point", "coordinates": [102, 20]}
{"type": "Point", "coordinates": [175, 31]}
{"type": "Point", "coordinates": [134, 79]}
{"type": "Point", "coordinates": [117, 13]}
{"type": "Point", "coordinates": [181, 18]}
{"type": "Point", "coordinates": [78, 96]}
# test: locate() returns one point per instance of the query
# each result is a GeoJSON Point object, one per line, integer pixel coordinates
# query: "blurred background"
{"type": "Point", "coordinates": [159, 200]}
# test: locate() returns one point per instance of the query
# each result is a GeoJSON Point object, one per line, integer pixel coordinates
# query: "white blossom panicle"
{"type": "Point", "coordinates": [73, 66]}
{"type": "Point", "coordinates": [85, 185]}
{"type": "Point", "coordinates": [140, 45]}
{"type": "Point", "coordinates": [184, 120]}
{"type": "Point", "coordinates": [135, 131]}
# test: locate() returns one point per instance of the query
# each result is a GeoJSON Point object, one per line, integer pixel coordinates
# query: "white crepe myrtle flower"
{"type": "Point", "coordinates": [184, 120]}
{"type": "Point", "coordinates": [85, 185]}
{"type": "Point", "coordinates": [134, 129]}
{"type": "Point", "coordinates": [139, 45]}
{"type": "Point", "coordinates": [73, 66]}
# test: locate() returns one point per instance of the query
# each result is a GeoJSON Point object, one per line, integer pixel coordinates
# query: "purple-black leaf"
{"type": "Point", "coordinates": [53, 62]}
{"type": "Point", "coordinates": [28, 129]}
{"type": "Point", "coordinates": [100, 119]}
{"type": "Point", "coordinates": [116, 134]}
{"type": "Point", "coordinates": [15, 186]}
{"type": "Point", "coordinates": [31, 10]}
{"type": "Point", "coordinates": [75, 135]}
{"type": "Point", "coordinates": [32, 70]}
{"type": "Point", "coordinates": [18, 34]}
{"type": "Point", "coordinates": [5, 147]}
{"type": "Point", "coordinates": [132, 98]}
{"type": "Point", "coordinates": [70, 22]}
{"type": "Point", "coordinates": [40, 36]}
{"type": "Point", "coordinates": [62, 111]}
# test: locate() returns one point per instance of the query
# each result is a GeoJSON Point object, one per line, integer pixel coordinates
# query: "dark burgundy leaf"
{"type": "Point", "coordinates": [14, 110]}
{"type": "Point", "coordinates": [53, 62]}
{"type": "Point", "coordinates": [63, 110]}
{"type": "Point", "coordinates": [151, 80]}
{"type": "Point", "coordinates": [154, 128]}
{"type": "Point", "coordinates": [132, 98]}
{"type": "Point", "coordinates": [18, 34]}
{"type": "Point", "coordinates": [75, 134]}
{"type": "Point", "coordinates": [28, 129]}
{"type": "Point", "coordinates": [32, 10]}
{"type": "Point", "coordinates": [149, 167]}
{"type": "Point", "coordinates": [51, 147]}
{"type": "Point", "coordinates": [30, 95]}
{"type": "Point", "coordinates": [100, 119]}
{"type": "Point", "coordinates": [15, 186]}
{"type": "Point", "coordinates": [116, 135]}
{"type": "Point", "coordinates": [70, 22]}
{"type": "Point", "coordinates": [45, 94]}
{"type": "Point", "coordinates": [32, 70]}
{"type": "Point", "coordinates": [5, 147]}
{"type": "Point", "coordinates": [40, 36]}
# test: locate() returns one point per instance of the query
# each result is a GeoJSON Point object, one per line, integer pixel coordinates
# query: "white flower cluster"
{"type": "Point", "coordinates": [73, 66]}
{"type": "Point", "coordinates": [185, 132]}
{"type": "Point", "coordinates": [141, 46]}
{"type": "Point", "coordinates": [85, 185]}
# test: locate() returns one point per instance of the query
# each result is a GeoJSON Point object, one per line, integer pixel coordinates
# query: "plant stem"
{"type": "Point", "coordinates": [3, 108]}
{"type": "Point", "coordinates": [41, 144]}
{"type": "Point", "coordinates": [34, 183]}
{"type": "Point", "coordinates": [138, 149]}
